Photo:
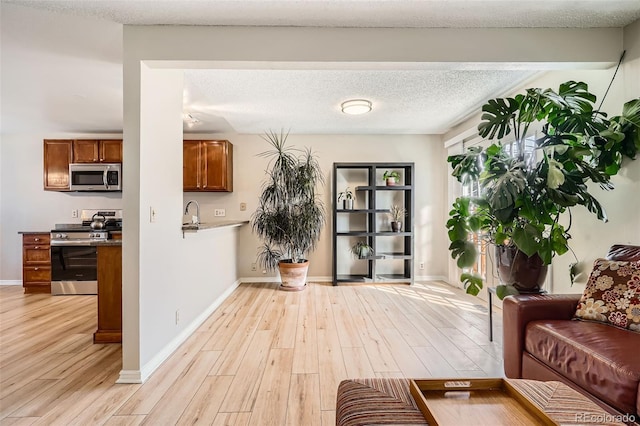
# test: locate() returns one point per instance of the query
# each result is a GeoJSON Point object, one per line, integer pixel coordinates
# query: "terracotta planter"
{"type": "Point", "coordinates": [391, 181]}
{"type": "Point", "coordinates": [526, 274]}
{"type": "Point", "coordinates": [293, 276]}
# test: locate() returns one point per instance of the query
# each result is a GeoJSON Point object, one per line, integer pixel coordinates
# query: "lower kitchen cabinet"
{"type": "Point", "coordinates": [109, 295]}
{"type": "Point", "coordinates": [36, 263]}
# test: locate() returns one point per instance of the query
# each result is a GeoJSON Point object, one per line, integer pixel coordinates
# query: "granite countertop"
{"type": "Point", "coordinates": [213, 225]}
{"type": "Point", "coordinates": [33, 232]}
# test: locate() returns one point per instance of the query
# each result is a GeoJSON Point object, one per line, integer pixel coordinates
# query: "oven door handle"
{"type": "Point", "coordinates": [74, 243]}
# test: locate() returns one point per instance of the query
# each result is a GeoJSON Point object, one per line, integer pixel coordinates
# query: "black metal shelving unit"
{"type": "Point", "coordinates": [393, 251]}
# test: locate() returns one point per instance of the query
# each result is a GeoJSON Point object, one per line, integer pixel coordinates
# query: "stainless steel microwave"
{"type": "Point", "coordinates": [95, 177]}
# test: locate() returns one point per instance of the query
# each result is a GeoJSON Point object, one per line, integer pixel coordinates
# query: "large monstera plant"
{"type": "Point", "coordinates": [526, 199]}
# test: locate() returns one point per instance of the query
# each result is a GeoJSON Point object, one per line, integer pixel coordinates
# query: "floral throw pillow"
{"type": "Point", "coordinates": [612, 295]}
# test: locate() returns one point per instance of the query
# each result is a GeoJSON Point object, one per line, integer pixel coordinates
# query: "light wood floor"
{"type": "Point", "coordinates": [265, 357]}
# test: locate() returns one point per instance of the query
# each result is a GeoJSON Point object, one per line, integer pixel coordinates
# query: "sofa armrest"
{"type": "Point", "coordinates": [518, 311]}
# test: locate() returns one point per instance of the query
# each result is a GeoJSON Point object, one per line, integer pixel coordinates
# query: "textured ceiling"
{"type": "Point", "coordinates": [355, 13]}
{"type": "Point", "coordinates": [62, 64]}
{"type": "Point", "coordinates": [409, 102]}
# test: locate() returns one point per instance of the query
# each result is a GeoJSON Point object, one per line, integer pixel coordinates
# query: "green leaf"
{"type": "Point", "coordinates": [497, 117]}
{"type": "Point", "coordinates": [472, 283]}
{"type": "Point", "coordinates": [468, 255]}
{"type": "Point", "coordinates": [503, 291]}
{"type": "Point", "coordinates": [555, 176]}
{"type": "Point", "coordinates": [527, 239]}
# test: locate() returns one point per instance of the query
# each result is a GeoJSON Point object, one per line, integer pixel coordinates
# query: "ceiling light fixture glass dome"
{"type": "Point", "coordinates": [356, 106]}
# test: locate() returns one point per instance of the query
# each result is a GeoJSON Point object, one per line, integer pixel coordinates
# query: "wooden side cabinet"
{"type": "Point", "coordinates": [97, 151]}
{"type": "Point", "coordinates": [109, 295]}
{"type": "Point", "coordinates": [207, 166]}
{"type": "Point", "coordinates": [36, 263]}
{"type": "Point", "coordinates": [57, 156]}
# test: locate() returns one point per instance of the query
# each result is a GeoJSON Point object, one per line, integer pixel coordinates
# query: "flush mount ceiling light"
{"type": "Point", "coordinates": [356, 106]}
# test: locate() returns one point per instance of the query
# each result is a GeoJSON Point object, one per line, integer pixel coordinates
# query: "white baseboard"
{"type": "Point", "coordinates": [135, 376]}
{"type": "Point", "coordinates": [431, 278]}
{"type": "Point", "coordinates": [10, 282]}
{"type": "Point", "coordinates": [129, 376]}
{"type": "Point", "coordinates": [277, 279]}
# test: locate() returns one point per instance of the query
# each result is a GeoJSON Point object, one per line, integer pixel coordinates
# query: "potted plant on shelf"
{"type": "Point", "coordinates": [524, 206]}
{"type": "Point", "coordinates": [397, 214]}
{"type": "Point", "coordinates": [391, 177]}
{"type": "Point", "coordinates": [347, 198]}
{"type": "Point", "coordinates": [290, 216]}
{"type": "Point", "coordinates": [362, 250]}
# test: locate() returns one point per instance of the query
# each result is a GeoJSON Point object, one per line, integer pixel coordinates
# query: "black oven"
{"type": "Point", "coordinates": [74, 269]}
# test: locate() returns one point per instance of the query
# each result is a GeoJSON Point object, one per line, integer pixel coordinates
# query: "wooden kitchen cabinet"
{"type": "Point", "coordinates": [36, 263]}
{"type": "Point", "coordinates": [57, 156]}
{"type": "Point", "coordinates": [97, 151]}
{"type": "Point", "coordinates": [109, 295]}
{"type": "Point", "coordinates": [207, 166]}
{"type": "Point", "coordinates": [58, 153]}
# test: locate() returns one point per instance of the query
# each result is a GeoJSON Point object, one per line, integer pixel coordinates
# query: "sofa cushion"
{"type": "Point", "coordinates": [612, 294]}
{"type": "Point", "coordinates": [601, 359]}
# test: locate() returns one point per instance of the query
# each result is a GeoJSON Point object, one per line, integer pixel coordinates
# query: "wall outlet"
{"type": "Point", "coordinates": [177, 316]}
{"type": "Point", "coordinates": [74, 213]}
{"type": "Point", "coordinates": [219, 212]}
{"type": "Point", "coordinates": [243, 207]}
{"type": "Point", "coordinates": [421, 265]}
{"type": "Point", "coordinates": [254, 267]}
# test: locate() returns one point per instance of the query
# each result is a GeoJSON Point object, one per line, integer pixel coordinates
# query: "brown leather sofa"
{"type": "Point", "coordinates": [541, 342]}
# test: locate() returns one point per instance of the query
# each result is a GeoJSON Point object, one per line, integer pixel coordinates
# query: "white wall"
{"type": "Point", "coordinates": [249, 170]}
{"type": "Point", "coordinates": [26, 206]}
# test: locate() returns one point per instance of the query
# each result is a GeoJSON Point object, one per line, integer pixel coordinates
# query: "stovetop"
{"type": "Point", "coordinates": [85, 227]}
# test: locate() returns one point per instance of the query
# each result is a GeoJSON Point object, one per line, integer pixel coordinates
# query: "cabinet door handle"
{"type": "Point", "coordinates": [37, 247]}
{"type": "Point", "coordinates": [36, 239]}
{"type": "Point", "coordinates": [35, 269]}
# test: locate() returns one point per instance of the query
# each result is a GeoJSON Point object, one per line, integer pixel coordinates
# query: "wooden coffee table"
{"type": "Point", "coordinates": [389, 401]}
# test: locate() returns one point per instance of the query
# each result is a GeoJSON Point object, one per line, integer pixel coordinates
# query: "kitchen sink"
{"type": "Point", "coordinates": [190, 226]}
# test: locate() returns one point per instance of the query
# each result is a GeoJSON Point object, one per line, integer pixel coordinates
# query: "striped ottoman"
{"type": "Point", "coordinates": [388, 402]}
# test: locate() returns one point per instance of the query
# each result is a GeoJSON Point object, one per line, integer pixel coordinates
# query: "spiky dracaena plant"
{"type": "Point", "coordinates": [290, 215]}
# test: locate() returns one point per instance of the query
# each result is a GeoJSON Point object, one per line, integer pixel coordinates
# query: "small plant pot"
{"type": "Point", "coordinates": [391, 181]}
{"type": "Point", "coordinates": [396, 226]}
{"type": "Point", "coordinates": [347, 204]}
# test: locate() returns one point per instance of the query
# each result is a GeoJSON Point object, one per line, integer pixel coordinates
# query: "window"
{"type": "Point", "coordinates": [472, 188]}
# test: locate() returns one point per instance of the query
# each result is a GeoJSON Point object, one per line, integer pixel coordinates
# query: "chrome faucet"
{"type": "Point", "coordinates": [186, 210]}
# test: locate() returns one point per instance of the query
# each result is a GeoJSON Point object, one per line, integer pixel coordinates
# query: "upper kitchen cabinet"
{"type": "Point", "coordinates": [57, 156]}
{"type": "Point", "coordinates": [97, 151]}
{"type": "Point", "coordinates": [207, 166]}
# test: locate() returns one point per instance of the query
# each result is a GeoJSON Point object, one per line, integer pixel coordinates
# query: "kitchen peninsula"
{"type": "Point", "coordinates": [109, 292]}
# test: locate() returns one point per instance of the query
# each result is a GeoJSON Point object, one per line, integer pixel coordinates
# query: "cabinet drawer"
{"type": "Point", "coordinates": [36, 254]}
{"type": "Point", "coordinates": [36, 274]}
{"type": "Point", "coordinates": [36, 239]}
